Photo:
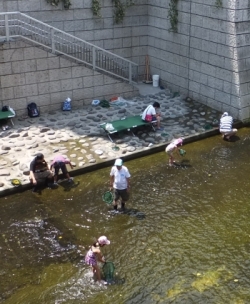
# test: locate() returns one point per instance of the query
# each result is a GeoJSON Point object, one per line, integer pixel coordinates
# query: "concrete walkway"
{"type": "Point", "coordinates": [77, 134]}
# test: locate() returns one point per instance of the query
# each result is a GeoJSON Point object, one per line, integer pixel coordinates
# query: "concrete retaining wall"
{"type": "Point", "coordinates": [28, 74]}
{"type": "Point", "coordinates": [208, 59]}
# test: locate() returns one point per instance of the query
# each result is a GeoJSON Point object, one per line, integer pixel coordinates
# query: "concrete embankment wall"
{"type": "Point", "coordinates": [29, 74]}
{"type": "Point", "coordinates": [208, 59]}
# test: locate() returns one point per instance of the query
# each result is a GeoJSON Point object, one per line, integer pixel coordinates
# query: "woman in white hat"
{"type": "Point", "coordinates": [94, 255]}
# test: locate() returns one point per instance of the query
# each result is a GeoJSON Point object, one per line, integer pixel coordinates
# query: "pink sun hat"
{"type": "Point", "coordinates": [103, 240]}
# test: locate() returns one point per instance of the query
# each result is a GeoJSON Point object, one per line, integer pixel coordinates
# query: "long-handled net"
{"type": "Point", "coordinates": [182, 152]}
{"type": "Point", "coordinates": [108, 197]}
{"type": "Point", "coordinates": [108, 270]}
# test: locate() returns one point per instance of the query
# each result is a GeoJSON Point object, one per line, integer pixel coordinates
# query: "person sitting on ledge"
{"type": "Point", "coordinates": [226, 129]}
{"type": "Point", "coordinates": [150, 115]}
{"type": "Point", "coordinates": [39, 171]}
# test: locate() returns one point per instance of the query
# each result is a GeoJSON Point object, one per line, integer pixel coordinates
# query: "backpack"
{"type": "Point", "coordinates": [5, 108]}
{"type": "Point", "coordinates": [66, 105]}
{"type": "Point", "coordinates": [33, 110]}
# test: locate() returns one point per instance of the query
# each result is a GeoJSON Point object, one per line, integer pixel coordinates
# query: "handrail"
{"type": "Point", "coordinates": [19, 25]}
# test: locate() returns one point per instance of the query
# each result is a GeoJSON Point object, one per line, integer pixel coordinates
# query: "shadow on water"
{"type": "Point", "coordinates": [130, 212]}
{"type": "Point", "coordinates": [184, 237]}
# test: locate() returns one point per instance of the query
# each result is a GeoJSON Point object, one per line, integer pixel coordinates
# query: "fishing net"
{"type": "Point", "coordinates": [16, 182]}
{"type": "Point", "coordinates": [108, 270]}
{"type": "Point", "coordinates": [182, 152]}
{"type": "Point", "coordinates": [108, 197]}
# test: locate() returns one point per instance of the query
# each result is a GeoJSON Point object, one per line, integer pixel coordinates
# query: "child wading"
{"type": "Point", "coordinates": [172, 148]}
{"type": "Point", "coordinates": [94, 255]}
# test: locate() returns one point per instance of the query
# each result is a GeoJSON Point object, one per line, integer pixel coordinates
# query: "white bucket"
{"type": "Point", "coordinates": [156, 80]}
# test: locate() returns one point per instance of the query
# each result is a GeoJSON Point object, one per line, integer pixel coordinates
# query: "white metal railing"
{"type": "Point", "coordinates": [19, 25]}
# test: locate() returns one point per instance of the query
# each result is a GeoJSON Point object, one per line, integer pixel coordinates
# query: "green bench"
{"type": "Point", "coordinates": [125, 124]}
{"type": "Point", "coordinates": [7, 115]}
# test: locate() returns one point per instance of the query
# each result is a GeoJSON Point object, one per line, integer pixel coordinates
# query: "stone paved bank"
{"type": "Point", "coordinates": [77, 134]}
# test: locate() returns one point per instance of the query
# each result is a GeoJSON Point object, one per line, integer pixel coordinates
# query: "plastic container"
{"type": "Point", "coordinates": [156, 79]}
{"type": "Point", "coordinates": [95, 102]}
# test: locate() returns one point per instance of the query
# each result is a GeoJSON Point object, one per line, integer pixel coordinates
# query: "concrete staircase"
{"type": "Point", "coordinates": [16, 25]}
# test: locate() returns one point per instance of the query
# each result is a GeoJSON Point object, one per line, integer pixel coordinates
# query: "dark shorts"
{"type": "Point", "coordinates": [123, 194]}
{"type": "Point", "coordinates": [61, 166]}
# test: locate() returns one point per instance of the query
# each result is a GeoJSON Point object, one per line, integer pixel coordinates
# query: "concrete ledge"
{"type": "Point", "coordinates": [110, 162]}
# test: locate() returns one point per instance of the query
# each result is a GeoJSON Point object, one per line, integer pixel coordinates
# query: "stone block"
{"type": "Point", "coordinates": [58, 97]}
{"type": "Point", "coordinates": [244, 113]}
{"type": "Point", "coordinates": [12, 80]}
{"type": "Point", "coordinates": [29, 6]}
{"type": "Point", "coordinates": [7, 93]}
{"type": "Point", "coordinates": [239, 102]}
{"type": "Point", "coordinates": [82, 14]}
{"type": "Point", "coordinates": [195, 65]}
{"type": "Point", "coordinates": [244, 76]}
{"type": "Point", "coordinates": [215, 83]}
{"type": "Point", "coordinates": [222, 97]}
{"type": "Point", "coordinates": [31, 90]}
{"type": "Point", "coordinates": [69, 26]}
{"type": "Point", "coordinates": [230, 64]}
{"type": "Point", "coordinates": [40, 100]}
{"type": "Point", "coordinates": [87, 82]}
{"type": "Point", "coordinates": [53, 63]}
{"type": "Point", "coordinates": [55, 86]}
{"type": "Point", "coordinates": [13, 54]}
{"type": "Point", "coordinates": [208, 69]}
{"type": "Point", "coordinates": [42, 64]}
{"type": "Point", "coordinates": [216, 60]}
{"type": "Point", "coordinates": [78, 71]}
{"type": "Point", "coordinates": [43, 88]}
{"type": "Point", "coordinates": [20, 92]}
{"type": "Point", "coordinates": [227, 87]}
{"type": "Point", "coordinates": [83, 93]}
{"type": "Point", "coordinates": [194, 86]}
{"type": "Point", "coordinates": [67, 84]}
{"type": "Point", "coordinates": [39, 53]}
{"type": "Point", "coordinates": [24, 66]}
{"type": "Point", "coordinates": [77, 83]}
{"type": "Point", "coordinates": [65, 63]}
{"type": "Point", "coordinates": [215, 104]}
{"type": "Point", "coordinates": [37, 77]}
{"type": "Point", "coordinates": [207, 91]}
{"type": "Point", "coordinates": [235, 90]}
{"type": "Point", "coordinates": [5, 68]}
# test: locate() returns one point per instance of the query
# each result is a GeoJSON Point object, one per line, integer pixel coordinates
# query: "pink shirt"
{"type": "Point", "coordinates": [60, 158]}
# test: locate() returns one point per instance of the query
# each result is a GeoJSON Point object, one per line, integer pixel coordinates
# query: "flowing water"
{"type": "Point", "coordinates": [185, 237]}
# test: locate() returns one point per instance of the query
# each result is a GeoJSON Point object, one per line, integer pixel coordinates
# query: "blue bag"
{"type": "Point", "coordinates": [67, 105]}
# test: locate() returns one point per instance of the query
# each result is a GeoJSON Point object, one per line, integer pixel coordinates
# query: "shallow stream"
{"type": "Point", "coordinates": [184, 239]}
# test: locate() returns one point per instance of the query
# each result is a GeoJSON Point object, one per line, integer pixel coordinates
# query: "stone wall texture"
{"type": "Point", "coordinates": [208, 59]}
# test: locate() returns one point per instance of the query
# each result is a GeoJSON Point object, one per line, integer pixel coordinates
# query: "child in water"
{"type": "Point", "coordinates": [172, 148]}
{"type": "Point", "coordinates": [94, 255]}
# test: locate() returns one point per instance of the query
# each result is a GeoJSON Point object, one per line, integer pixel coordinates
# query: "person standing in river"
{"type": "Point", "coordinates": [120, 182]}
{"type": "Point", "coordinates": [94, 255]}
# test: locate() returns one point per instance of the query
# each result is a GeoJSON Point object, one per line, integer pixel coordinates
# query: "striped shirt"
{"type": "Point", "coordinates": [226, 123]}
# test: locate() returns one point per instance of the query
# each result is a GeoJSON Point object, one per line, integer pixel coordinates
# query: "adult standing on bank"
{"type": "Point", "coordinates": [120, 182]}
{"type": "Point", "coordinates": [150, 115]}
{"type": "Point", "coordinates": [226, 126]}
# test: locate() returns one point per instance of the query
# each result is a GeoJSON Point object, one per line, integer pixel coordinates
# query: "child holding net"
{"type": "Point", "coordinates": [94, 255]}
{"type": "Point", "coordinates": [172, 148]}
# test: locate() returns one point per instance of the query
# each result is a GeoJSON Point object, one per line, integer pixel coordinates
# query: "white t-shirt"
{"type": "Point", "coordinates": [120, 177]}
{"type": "Point", "coordinates": [150, 110]}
